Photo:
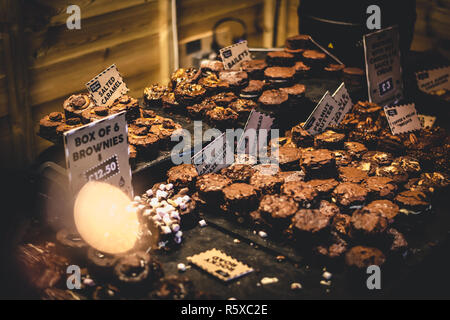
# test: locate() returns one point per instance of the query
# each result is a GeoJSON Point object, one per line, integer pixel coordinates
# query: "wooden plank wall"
{"type": "Point", "coordinates": [127, 33]}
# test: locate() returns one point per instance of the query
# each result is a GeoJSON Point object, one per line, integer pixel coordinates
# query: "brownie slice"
{"type": "Point", "coordinates": [329, 140]}
{"type": "Point", "coordinates": [380, 187]}
{"type": "Point", "coordinates": [277, 210]}
{"type": "Point", "coordinates": [318, 163]}
{"type": "Point", "coordinates": [239, 198]}
{"type": "Point", "coordinates": [238, 172]}
{"type": "Point", "coordinates": [300, 191]}
{"type": "Point", "coordinates": [352, 174]}
{"type": "Point", "coordinates": [349, 194]}
{"type": "Point", "coordinates": [362, 257]}
{"type": "Point", "coordinates": [183, 175]}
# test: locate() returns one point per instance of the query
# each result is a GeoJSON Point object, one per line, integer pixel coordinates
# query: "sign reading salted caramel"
{"type": "Point", "coordinates": [383, 68]}
{"type": "Point", "coordinates": [234, 55]}
{"type": "Point", "coordinates": [106, 87]}
{"type": "Point", "coordinates": [220, 265]}
{"type": "Point", "coordinates": [403, 118]}
{"type": "Point", "coordinates": [434, 80]}
{"type": "Point", "coordinates": [99, 151]}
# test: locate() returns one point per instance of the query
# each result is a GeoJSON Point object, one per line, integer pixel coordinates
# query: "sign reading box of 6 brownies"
{"type": "Point", "coordinates": [383, 68]}
{"type": "Point", "coordinates": [402, 118]}
{"type": "Point", "coordinates": [234, 55]}
{"type": "Point", "coordinates": [99, 151]}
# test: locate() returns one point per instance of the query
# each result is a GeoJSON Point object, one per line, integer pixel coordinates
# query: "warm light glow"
{"type": "Point", "coordinates": [103, 219]}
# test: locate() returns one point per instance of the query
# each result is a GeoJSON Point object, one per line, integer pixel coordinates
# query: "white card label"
{"type": "Point", "coordinates": [403, 118]}
{"type": "Point", "coordinates": [99, 151]}
{"type": "Point", "coordinates": [216, 155]}
{"type": "Point", "coordinates": [255, 133]}
{"type": "Point", "coordinates": [433, 80]}
{"type": "Point", "coordinates": [383, 68]}
{"type": "Point", "coordinates": [106, 87]}
{"type": "Point", "coordinates": [426, 121]}
{"type": "Point", "coordinates": [234, 55]}
{"type": "Point", "coordinates": [323, 113]}
{"type": "Point", "coordinates": [345, 104]}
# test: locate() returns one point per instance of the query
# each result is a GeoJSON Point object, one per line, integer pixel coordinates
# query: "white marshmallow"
{"type": "Point", "coordinates": [149, 192]}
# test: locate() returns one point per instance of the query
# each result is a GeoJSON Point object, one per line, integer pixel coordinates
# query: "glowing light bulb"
{"type": "Point", "coordinates": [104, 218]}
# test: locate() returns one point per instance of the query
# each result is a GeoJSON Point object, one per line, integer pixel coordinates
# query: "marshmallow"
{"type": "Point", "coordinates": [166, 230]}
{"type": "Point", "coordinates": [175, 227]}
{"type": "Point", "coordinates": [179, 234]}
{"type": "Point", "coordinates": [169, 186]}
{"type": "Point", "coordinates": [137, 199]}
{"type": "Point", "coordinates": [149, 192]}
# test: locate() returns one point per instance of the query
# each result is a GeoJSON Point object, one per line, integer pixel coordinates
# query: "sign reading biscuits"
{"type": "Point", "coordinates": [434, 80]}
{"type": "Point", "coordinates": [220, 265]}
{"type": "Point", "coordinates": [107, 87]}
{"type": "Point", "coordinates": [383, 68]}
{"type": "Point", "coordinates": [99, 151]}
{"type": "Point", "coordinates": [403, 118]}
{"type": "Point", "coordinates": [234, 55]}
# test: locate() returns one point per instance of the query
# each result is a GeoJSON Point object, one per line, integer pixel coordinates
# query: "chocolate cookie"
{"type": "Point", "coordinates": [300, 191]}
{"type": "Point", "coordinates": [301, 137]}
{"type": "Point", "coordinates": [266, 183]}
{"type": "Point", "coordinates": [349, 194]}
{"type": "Point", "coordinates": [239, 198]}
{"type": "Point", "coordinates": [318, 163]}
{"type": "Point", "coordinates": [48, 125]}
{"type": "Point", "coordinates": [329, 140]}
{"type": "Point", "coordinates": [352, 174]}
{"type": "Point", "coordinates": [238, 172]}
{"type": "Point", "coordinates": [380, 187]}
{"type": "Point", "coordinates": [153, 95]}
{"type": "Point", "coordinates": [76, 104]}
{"type": "Point", "coordinates": [362, 257]}
{"type": "Point", "coordinates": [277, 210]}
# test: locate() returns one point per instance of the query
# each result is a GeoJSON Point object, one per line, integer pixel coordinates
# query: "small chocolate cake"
{"type": "Point", "coordinates": [315, 59]}
{"type": "Point", "coordinates": [408, 164]}
{"type": "Point", "coordinates": [215, 66]}
{"type": "Point", "coordinates": [341, 224]}
{"type": "Point", "coordinates": [412, 202]}
{"type": "Point", "coordinates": [342, 158]}
{"type": "Point", "coordinates": [243, 107]}
{"type": "Point", "coordinates": [189, 93]}
{"type": "Point", "coordinates": [76, 104]}
{"type": "Point", "coordinates": [302, 71]}
{"type": "Point", "coordinates": [323, 186]}
{"type": "Point", "coordinates": [333, 71]}
{"type": "Point", "coordinates": [355, 149]}
{"type": "Point", "coordinates": [366, 225]}
{"type": "Point", "coordinates": [129, 105]}
{"type": "Point", "coordinates": [329, 140]}
{"type": "Point", "coordinates": [94, 114]}
{"type": "Point", "coordinates": [213, 84]}
{"type": "Point", "coordinates": [153, 95]}
{"type": "Point", "coordinates": [253, 90]}
{"type": "Point", "coordinates": [210, 185]}
{"type": "Point", "coordinates": [318, 163]}
{"type": "Point", "coordinates": [254, 68]}
{"type": "Point", "coordinates": [198, 111]}
{"type": "Point", "coordinates": [273, 100]}
{"type": "Point", "coordinates": [377, 157]}
{"type": "Point", "coordinates": [329, 209]}
{"type": "Point", "coordinates": [383, 208]}
{"type": "Point", "coordinates": [394, 172]}
{"type": "Point", "coordinates": [236, 79]}
{"type": "Point", "coordinates": [380, 187]}
{"type": "Point", "coordinates": [296, 94]}
{"type": "Point", "coordinates": [279, 76]}
{"type": "Point", "coordinates": [266, 183]}
{"type": "Point", "coordinates": [170, 104]}
{"type": "Point", "coordinates": [146, 143]}
{"type": "Point", "coordinates": [280, 59]}
{"type": "Point", "coordinates": [300, 41]}
{"type": "Point", "coordinates": [239, 198]}
{"type": "Point", "coordinates": [309, 225]}
{"type": "Point", "coordinates": [238, 172]}
{"type": "Point", "coordinates": [352, 174]}
{"type": "Point", "coordinates": [300, 191]}
{"type": "Point", "coordinates": [362, 257]}
{"type": "Point", "coordinates": [349, 194]}
{"type": "Point", "coordinates": [183, 175]}
{"type": "Point", "coordinates": [301, 137]}
{"type": "Point", "coordinates": [222, 118]}
{"type": "Point", "coordinates": [288, 158]}
{"type": "Point", "coordinates": [224, 99]}
{"type": "Point", "coordinates": [48, 125]}
{"type": "Point", "coordinates": [69, 124]}
{"type": "Point", "coordinates": [182, 76]}
{"type": "Point", "coordinates": [277, 210]}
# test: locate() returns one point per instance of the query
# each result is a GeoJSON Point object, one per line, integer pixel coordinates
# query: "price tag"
{"type": "Point", "coordinates": [345, 103]}
{"type": "Point", "coordinates": [322, 115]}
{"type": "Point", "coordinates": [433, 80]}
{"type": "Point", "coordinates": [234, 55]}
{"type": "Point", "coordinates": [215, 156]}
{"type": "Point", "coordinates": [220, 265]}
{"type": "Point", "coordinates": [426, 121]}
{"type": "Point", "coordinates": [255, 133]}
{"type": "Point", "coordinates": [99, 151]}
{"type": "Point", "coordinates": [107, 87]}
{"type": "Point", "coordinates": [383, 68]}
{"type": "Point", "coordinates": [403, 118]}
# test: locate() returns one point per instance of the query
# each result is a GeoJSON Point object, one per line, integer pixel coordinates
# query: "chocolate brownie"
{"type": "Point", "coordinates": [380, 187]}
{"type": "Point", "coordinates": [300, 191]}
{"type": "Point", "coordinates": [238, 172]}
{"type": "Point", "coordinates": [362, 257]}
{"type": "Point", "coordinates": [315, 59]}
{"type": "Point", "coordinates": [288, 158]}
{"type": "Point", "coordinates": [355, 149]}
{"type": "Point", "coordinates": [410, 165]}
{"type": "Point", "coordinates": [384, 208]}
{"type": "Point", "coordinates": [48, 125]}
{"type": "Point", "coordinates": [279, 76]}
{"type": "Point", "coordinates": [349, 194]}
{"type": "Point", "coordinates": [213, 84]}
{"type": "Point", "coordinates": [133, 155]}
{"type": "Point", "coordinates": [182, 75]}
{"type": "Point", "coordinates": [296, 93]}
{"type": "Point", "coordinates": [243, 107]}
{"type": "Point", "coordinates": [390, 143]}
{"type": "Point", "coordinates": [342, 158]}
{"type": "Point", "coordinates": [183, 175]}
{"type": "Point", "coordinates": [297, 53]}
{"type": "Point", "coordinates": [302, 71]}
{"type": "Point", "coordinates": [94, 114]}
{"type": "Point", "coordinates": [366, 108]}
{"type": "Point", "coordinates": [69, 124]}
{"type": "Point", "coordinates": [377, 157]}
{"type": "Point", "coordinates": [170, 104]}
{"type": "Point", "coordinates": [210, 185]}
{"type": "Point", "coordinates": [273, 100]}
{"type": "Point", "coordinates": [328, 209]}
{"type": "Point", "coordinates": [222, 118]}
{"type": "Point", "coordinates": [277, 210]}
{"type": "Point", "coordinates": [341, 224]}
{"type": "Point", "coordinates": [153, 95]}
{"type": "Point", "coordinates": [299, 41]}
{"type": "Point", "coordinates": [352, 174]}
{"type": "Point", "coordinates": [146, 143]}
{"type": "Point", "coordinates": [253, 90]}
{"type": "Point", "coordinates": [76, 104]}
{"type": "Point", "coordinates": [129, 105]}
{"type": "Point", "coordinates": [334, 70]}
{"type": "Point", "coordinates": [211, 66]}
{"type": "Point", "coordinates": [334, 251]}
{"type": "Point", "coordinates": [198, 111]}
{"type": "Point", "coordinates": [301, 137]}
{"type": "Point", "coordinates": [224, 99]}
{"type": "Point", "coordinates": [399, 243]}
{"type": "Point", "coordinates": [289, 176]}
{"type": "Point", "coordinates": [266, 183]}
{"type": "Point", "coordinates": [236, 79]}
{"type": "Point", "coordinates": [367, 225]}
{"type": "Point", "coordinates": [254, 68]}
{"type": "Point", "coordinates": [318, 163]}
{"type": "Point", "coordinates": [187, 93]}
{"type": "Point", "coordinates": [412, 202]}
{"type": "Point", "coordinates": [239, 198]}
{"type": "Point", "coordinates": [309, 225]}
{"type": "Point", "coordinates": [329, 140]}
{"type": "Point", "coordinates": [323, 186]}
{"type": "Point", "coordinates": [395, 172]}
{"type": "Point", "coordinates": [280, 58]}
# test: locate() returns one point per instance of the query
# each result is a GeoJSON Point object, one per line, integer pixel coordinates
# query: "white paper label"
{"type": "Point", "coordinates": [215, 156]}
{"type": "Point", "coordinates": [323, 113]}
{"type": "Point", "coordinates": [345, 104]}
{"type": "Point", "coordinates": [383, 68]}
{"type": "Point", "coordinates": [256, 131]}
{"type": "Point", "coordinates": [234, 55]}
{"type": "Point", "coordinates": [403, 118]}
{"type": "Point", "coordinates": [106, 87]}
{"type": "Point", "coordinates": [433, 80]}
{"type": "Point", "coordinates": [426, 121]}
{"type": "Point", "coordinates": [99, 151]}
